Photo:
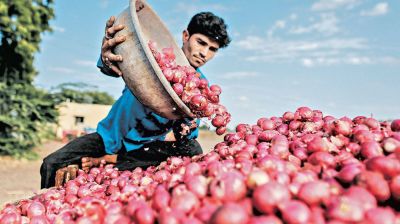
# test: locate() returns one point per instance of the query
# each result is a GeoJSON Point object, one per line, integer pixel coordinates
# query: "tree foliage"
{"type": "Point", "coordinates": [81, 93]}
{"type": "Point", "coordinates": [23, 107]}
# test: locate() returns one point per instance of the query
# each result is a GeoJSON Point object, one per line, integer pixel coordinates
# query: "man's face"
{"type": "Point", "coordinates": [198, 48]}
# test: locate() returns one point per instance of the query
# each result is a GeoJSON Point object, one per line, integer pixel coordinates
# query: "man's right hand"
{"type": "Point", "coordinates": [108, 58]}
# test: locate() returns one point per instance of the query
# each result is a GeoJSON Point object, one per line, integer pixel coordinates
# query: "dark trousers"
{"type": "Point", "coordinates": [92, 145]}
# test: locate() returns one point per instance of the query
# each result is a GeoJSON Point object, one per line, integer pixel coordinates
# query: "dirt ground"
{"type": "Point", "coordinates": [21, 178]}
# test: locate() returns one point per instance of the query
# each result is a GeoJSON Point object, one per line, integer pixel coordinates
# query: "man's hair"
{"type": "Point", "coordinates": [210, 25]}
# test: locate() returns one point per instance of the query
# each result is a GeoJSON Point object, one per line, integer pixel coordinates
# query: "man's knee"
{"type": "Point", "coordinates": [49, 161]}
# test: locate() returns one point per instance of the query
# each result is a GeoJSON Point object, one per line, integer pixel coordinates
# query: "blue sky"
{"type": "Point", "coordinates": [338, 56]}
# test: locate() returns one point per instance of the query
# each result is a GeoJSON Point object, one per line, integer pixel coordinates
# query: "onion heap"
{"type": "Point", "coordinates": [302, 167]}
{"type": "Point", "coordinates": [194, 91]}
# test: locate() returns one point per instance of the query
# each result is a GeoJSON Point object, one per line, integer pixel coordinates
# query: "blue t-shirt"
{"type": "Point", "coordinates": [131, 124]}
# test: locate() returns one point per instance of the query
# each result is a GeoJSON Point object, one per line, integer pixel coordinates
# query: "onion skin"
{"type": "Point", "coordinates": [371, 149]}
{"type": "Point", "coordinates": [395, 187]}
{"type": "Point", "coordinates": [228, 187]}
{"type": "Point", "coordinates": [360, 194]}
{"type": "Point", "coordinates": [395, 126]}
{"type": "Point", "coordinates": [144, 215]}
{"type": "Point", "coordinates": [324, 159]}
{"type": "Point", "coordinates": [380, 216]}
{"type": "Point", "coordinates": [389, 167]}
{"type": "Point", "coordinates": [230, 213]}
{"type": "Point", "coordinates": [314, 192]}
{"type": "Point", "coordinates": [278, 195]}
{"type": "Point", "coordinates": [270, 219]}
{"type": "Point", "coordinates": [375, 183]}
{"type": "Point", "coordinates": [349, 172]}
{"type": "Point", "coordinates": [295, 212]}
{"type": "Point", "coordinates": [345, 209]}
{"type": "Point", "coordinates": [36, 209]}
{"type": "Point", "coordinates": [317, 215]}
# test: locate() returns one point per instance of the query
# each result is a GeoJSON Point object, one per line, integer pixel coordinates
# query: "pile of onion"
{"type": "Point", "coordinates": [194, 91]}
{"type": "Point", "coordinates": [302, 167]}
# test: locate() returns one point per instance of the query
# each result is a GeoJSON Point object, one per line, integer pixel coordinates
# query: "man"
{"type": "Point", "coordinates": [132, 135]}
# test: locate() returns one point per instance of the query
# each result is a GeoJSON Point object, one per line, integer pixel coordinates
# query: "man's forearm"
{"type": "Point", "coordinates": [106, 70]}
{"type": "Point", "coordinates": [110, 158]}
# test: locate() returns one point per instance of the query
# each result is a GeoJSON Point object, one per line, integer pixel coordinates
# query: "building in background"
{"type": "Point", "coordinates": [77, 119]}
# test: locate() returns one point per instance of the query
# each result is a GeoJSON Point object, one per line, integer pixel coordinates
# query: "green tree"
{"type": "Point", "coordinates": [24, 109]}
{"type": "Point", "coordinates": [81, 93]}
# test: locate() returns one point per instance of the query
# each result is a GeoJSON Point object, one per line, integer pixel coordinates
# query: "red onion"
{"type": "Point", "coordinates": [371, 149]}
{"type": "Point", "coordinates": [390, 144]}
{"type": "Point", "coordinates": [270, 219]}
{"type": "Point", "coordinates": [345, 209]}
{"type": "Point", "coordinates": [277, 194]}
{"type": "Point", "coordinates": [375, 183]}
{"type": "Point", "coordinates": [317, 144]}
{"type": "Point", "coordinates": [342, 127]}
{"type": "Point", "coordinates": [267, 124]}
{"type": "Point", "coordinates": [36, 209]}
{"type": "Point", "coordinates": [323, 159]}
{"type": "Point", "coordinates": [364, 197]}
{"type": "Point", "coordinates": [317, 215]}
{"type": "Point", "coordinates": [387, 166]}
{"type": "Point", "coordinates": [144, 215]}
{"type": "Point", "coordinates": [230, 213]}
{"type": "Point", "coordinates": [288, 116]}
{"type": "Point", "coordinates": [303, 113]}
{"type": "Point", "coordinates": [256, 178]}
{"type": "Point", "coordinates": [380, 216]}
{"type": "Point", "coordinates": [39, 219]}
{"type": "Point", "coordinates": [205, 212]}
{"type": "Point", "coordinates": [161, 198]}
{"type": "Point", "coordinates": [170, 217]}
{"type": "Point", "coordinates": [295, 212]}
{"type": "Point", "coordinates": [349, 172]}
{"type": "Point", "coordinates": [395, 126]}
{"type": "Point", "coordinates": [314, 192]}
{"type": "Point", "coordinates": [372, 123]}
{"type": "Point", "coordinates": [11, 217]}
{"type": "Point", "coordinates": [229, 186]}
{"type": "Point", "coordinates": [395, 187]}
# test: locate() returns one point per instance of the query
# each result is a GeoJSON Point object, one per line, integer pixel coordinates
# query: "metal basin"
{"type": "Point", "coordinates": [141, 72]}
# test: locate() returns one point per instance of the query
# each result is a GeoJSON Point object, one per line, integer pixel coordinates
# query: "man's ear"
{"type": "Point", "coordinates": [185, 36]}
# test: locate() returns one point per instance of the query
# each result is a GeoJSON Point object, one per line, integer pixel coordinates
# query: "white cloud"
{"type": "Point", "coordinates": [61, 70]}
{"type": "Point", "coordinates": [327, 61]}
{"type": "Point", "coordinates": [379, 9]}
{"type": "Point", "coordinates": [333, 51]}
{"type": "Point", "coordinates": [324, 5]}
{"type": "Point", "coordinates": [279, 24]}
{"type": "Point", "coordinates": [307, 62]}
{"type": "Point", "coordinates": [239, 75]}
{"type": "Point", "coordinates": [243, 98]}
{"type": "Point", "coordinates": [277, 48]}
{"type": "Point", "coordinates": [190, 9]}
{"type": "Point", "coordinates": [356, 60]}
{"type": "Point", "coordinates": [86, 63]}
{"type": "Point", "coordinates": [59, 29]}
{"type": "Point", "coordinates": [293, 16]}
{"type": "Point", "coordinates": [390, 60]}
{"type": "Point", "coordinates": [250, 43]}
{"type": "Point", "coordinates": [327, 26]}
{"type": "Point", "coordinates": [331, 104]}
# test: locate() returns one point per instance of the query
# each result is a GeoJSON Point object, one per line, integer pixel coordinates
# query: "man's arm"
{"type": "Point", "coordinates": [184, 129]}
